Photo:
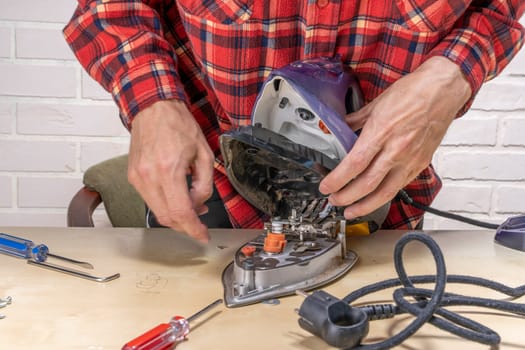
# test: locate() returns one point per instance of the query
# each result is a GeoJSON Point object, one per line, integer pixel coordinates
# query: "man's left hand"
{"type": "Point", "coordinates": [401, 130]}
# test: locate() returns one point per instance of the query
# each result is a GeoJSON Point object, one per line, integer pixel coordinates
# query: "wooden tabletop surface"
{"type": "Point", "coordinates": [164, 273]}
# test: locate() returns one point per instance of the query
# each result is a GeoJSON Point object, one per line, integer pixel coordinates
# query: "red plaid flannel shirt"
{"type": "Point", "coordinates": [215, 55]}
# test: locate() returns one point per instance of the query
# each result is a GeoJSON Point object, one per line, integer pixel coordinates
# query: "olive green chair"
{"type": "Point", "coordinates": [107, 183]}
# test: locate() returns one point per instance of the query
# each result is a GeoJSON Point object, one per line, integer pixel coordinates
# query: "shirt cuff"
{"type": "Point", "coordinates": [144, 85]}
{"type": "Point", "coordinates": [465, 48]}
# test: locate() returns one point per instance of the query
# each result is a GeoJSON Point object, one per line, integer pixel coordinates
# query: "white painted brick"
{"type": "Point", "coordinates": [474, 128]}
{"type": "Point", "coordinates": [440, 223]}
{"type": "Point", "coordinates": [428, 222]}
{"type": "Point", "coordinates": [92, 89]}
{"type": "Point", "coordinates": [517, 65]}
{"type": "Point", "coordinates": [510, 199]}
{"type": "Point", "coordinates": [44, 81]}
{"type": "Point", "coordinates": [5, 191]}
{"type": "Point", "coordinates": [513, 131]}
{"type": "Point", "coordinates": [47, 192]}
{"type": "Point", "coordinates": [30, 218]}
{"type": "Point", "coordinates": [30, 155]}
{"type": "Point", "coordinates": [482, 165]}
{"type": "Point", "coordinates": [5, 42]}
{"type": "Point", "coordinates": [93, 153]}
{"type": "Point", "coordinates": [101, 219]}
{"type": "Point", "coordinates": [67, 119]}
{"type": "Point", "coordinates": [7, 111]}
{"type": "Point", "coordinates": [465, 197]}
{"type": "Point", "coordinates": [40, 11]}
{"type": "Point", "coordinates": [42, 43]}
{"type": "Point", "coordinates": [503, 93]}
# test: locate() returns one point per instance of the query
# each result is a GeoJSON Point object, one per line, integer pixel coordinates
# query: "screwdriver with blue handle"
{"type": "Point", "coordinates": [26, 249]}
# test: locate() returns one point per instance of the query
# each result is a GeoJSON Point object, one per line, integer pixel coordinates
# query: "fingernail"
{"type": "Point", "coordinates": [349, 215]}
{"type": "Point", "coordinates": [205, 236]}
{"type": "Point", "coordinates": [323, 188]}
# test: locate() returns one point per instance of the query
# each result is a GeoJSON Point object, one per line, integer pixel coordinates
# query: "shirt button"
{"type": "Point", "coordinates": [322, 3]}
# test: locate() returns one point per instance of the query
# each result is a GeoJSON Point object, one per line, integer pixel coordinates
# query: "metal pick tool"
{"type": "Point", "coordinates": [38, 254]}
{"type": "Point", "coordinates": [4, 303]}
{"type": "Point", "coordinates": [73, 272]}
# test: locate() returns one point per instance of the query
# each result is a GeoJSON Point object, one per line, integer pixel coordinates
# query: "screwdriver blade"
{"type": "Point", "coordinates": [204, 310]}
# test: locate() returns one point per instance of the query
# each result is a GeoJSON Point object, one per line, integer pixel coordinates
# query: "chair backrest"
{"type": "Point", "coordinates": [107, 182]}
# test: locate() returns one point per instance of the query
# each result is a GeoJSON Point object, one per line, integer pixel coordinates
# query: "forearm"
{"type": "Point", "coordinates": [121, 45]}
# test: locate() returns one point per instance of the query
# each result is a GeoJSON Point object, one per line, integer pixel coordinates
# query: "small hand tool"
{"type": "Point", "coordinates": [167, 335]}
{"type": "Point", "coordinates": [38, 254]}
{"type": "Point", "coordinates": [26, 249]}
{"type": "Point", "coordinates": [4, 303]}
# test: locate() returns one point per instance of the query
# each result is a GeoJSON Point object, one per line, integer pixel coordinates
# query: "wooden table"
{"type": "Point", "coordinates": [164, 273]}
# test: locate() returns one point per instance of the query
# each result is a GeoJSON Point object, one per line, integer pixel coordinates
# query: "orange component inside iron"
{"type": "Point", "coordinates": [274, 242]}
{"type": "Point", "coordinates": [248, 250]}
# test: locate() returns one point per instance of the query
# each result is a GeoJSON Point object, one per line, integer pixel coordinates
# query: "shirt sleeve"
{"type": "Point", "coordinates": [484, 40]}
{"type": "Point", "coordinates": [121, 45]}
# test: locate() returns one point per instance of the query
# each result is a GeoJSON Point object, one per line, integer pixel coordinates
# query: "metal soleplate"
{"type": "Point", "coordinates": [329, 275]}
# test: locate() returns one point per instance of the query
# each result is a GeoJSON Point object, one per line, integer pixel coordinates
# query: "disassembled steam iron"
{"type": "Point", "coordinates": [298, 134]}
{"type": "Point", "coordinates": [291, 255]}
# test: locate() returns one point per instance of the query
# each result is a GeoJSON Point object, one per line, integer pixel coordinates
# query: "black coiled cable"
{"type": "Point", "coordinates": [344, 326]}
{"type": "Point", "coordinates": [430, 303]}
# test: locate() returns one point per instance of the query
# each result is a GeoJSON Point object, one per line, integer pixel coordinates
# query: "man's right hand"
{"type": "Point", "coordinates": [167, 144]}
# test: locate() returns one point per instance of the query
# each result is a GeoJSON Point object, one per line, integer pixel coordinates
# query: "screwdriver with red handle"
{"type": "Point", "coordinates": [167, 335]}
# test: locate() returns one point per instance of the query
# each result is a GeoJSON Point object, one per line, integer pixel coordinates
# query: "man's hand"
{"type": "Point", "coordinates": [401, 130]}
{"type": "Point", "coordinates": [167, 144]}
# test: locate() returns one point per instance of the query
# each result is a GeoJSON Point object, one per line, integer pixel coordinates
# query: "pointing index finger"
{"type": "Point", "coordinates": [182, 214]}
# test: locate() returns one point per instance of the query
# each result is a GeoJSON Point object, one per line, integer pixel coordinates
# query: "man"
{"type": "Point", "coordinates": [183, 72]}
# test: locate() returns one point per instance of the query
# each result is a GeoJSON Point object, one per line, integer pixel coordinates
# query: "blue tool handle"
{"type": "Point", "coordinates": [22, 248]}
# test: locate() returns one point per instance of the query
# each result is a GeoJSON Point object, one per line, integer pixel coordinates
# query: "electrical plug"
{"type": "Point", "coordinates": [336, 322]}
{"type": "Point", "coordinates": [333, 320]}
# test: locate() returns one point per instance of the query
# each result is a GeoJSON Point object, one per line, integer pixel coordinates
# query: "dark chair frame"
{"type": "Point", "coordinates": [81, 208]}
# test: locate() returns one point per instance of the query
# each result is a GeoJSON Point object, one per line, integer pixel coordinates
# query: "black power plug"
{"type": "Point", "coordinates": [333, 320]}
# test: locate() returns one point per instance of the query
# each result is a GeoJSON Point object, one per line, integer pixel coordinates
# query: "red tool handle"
{"type": "Point", "coordinates": [166, 335]}
{"type": "Point", "coordinates": [162, 337]}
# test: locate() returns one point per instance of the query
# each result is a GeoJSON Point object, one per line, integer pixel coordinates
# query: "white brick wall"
{"type": "Point", "coordinates": [5, 191]}
{"type": "Point", "coordinates": [5, 42]}
{"type": "Point", "coordinates": [55, 122]}
{"type": "Point", "coordinates": [52, 11]}
{"type": "Point", "coordinates": [7, 112]}
{"type": "Point", "coordinates": [55, 47]}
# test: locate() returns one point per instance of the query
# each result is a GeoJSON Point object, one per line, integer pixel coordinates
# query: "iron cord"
{"type": "Point", "coordinates": [408, 200]}
{"type": "Point", "coordinates": [429, 303]}
{"type": "Point", "coordinates": [349, 326]}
